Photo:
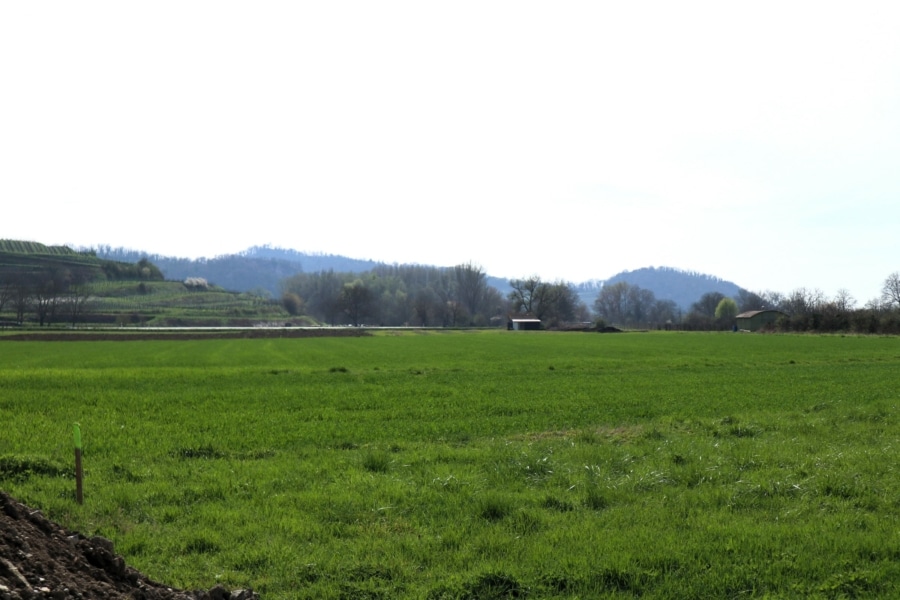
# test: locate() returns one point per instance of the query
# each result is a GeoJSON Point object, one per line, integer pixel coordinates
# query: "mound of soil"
{"type": "Point", "coordinates": [609, 329]}
{"type": "Point", "coordinates": [40, 559]}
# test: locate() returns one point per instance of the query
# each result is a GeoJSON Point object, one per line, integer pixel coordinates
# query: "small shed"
{"type": "Point", "coordinates": [523, 323]}
{"type": "Point", "coordinates": [753, 320]}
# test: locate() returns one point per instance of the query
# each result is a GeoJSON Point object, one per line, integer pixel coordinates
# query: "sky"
{"type": "Point", "coordinates": [755, 142]}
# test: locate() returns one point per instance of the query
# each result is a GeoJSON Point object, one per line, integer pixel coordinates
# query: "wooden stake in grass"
{"type": "Point", "coordinates": [79, 474]}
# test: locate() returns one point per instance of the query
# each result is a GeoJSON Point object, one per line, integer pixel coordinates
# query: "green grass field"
{"type": "Point", "coordinates": [484, 464]}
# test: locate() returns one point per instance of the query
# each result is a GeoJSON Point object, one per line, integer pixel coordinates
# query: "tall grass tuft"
{"type": "Point", "coordinates": [376, 462]}
{"type": "Point", "coordinates": [493, 506]}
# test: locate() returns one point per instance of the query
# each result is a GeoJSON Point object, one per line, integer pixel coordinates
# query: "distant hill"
{"type": "Point", "coordinates": [312, 263]}
{"type": "Point", "coordinates": [666, 283]}
{"type": "Point", "coordinates": [257, 268]}
{"type": "Point", "coordinates": [264, 267]}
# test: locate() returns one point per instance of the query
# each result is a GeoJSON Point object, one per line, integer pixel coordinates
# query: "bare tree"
{"type": "Point", "coordinates": [844, 301]}
{"type": "Point", "coordinates": [558, 303]}
{"type": "Point", "coordinates": [46, 296]}
{"type": "Point", "coordinates": [803, 301]}
{"type": "Point", "coordinates": [494, 306]}
{"type": "Point", "coordinates": [76, 301]}
{"type": "Point", "coordinates": [664, 313]}
{"type": "Point", "coordinates": [890, 293]}
{"type": "Point", "coordinates": [471, 285]}
{"type": "Point", "coordinates": [550, 302]}
{"type": "Point", "coordinates": [625, 304]}
{"type": "Point", "coordinates": [7, 292]}
{"type": "Point", "coordinates": [76, 293]}
{"type": "Point", "coordinates": [525, 294]}
{"type": "Point", "coordinates": [774, 300]}
{"type": "Point", "coordinates": [747, 300]}
{"type": "Point", "coordinates": [640, 305]}
{"type": "Point", "coordinates": [611, 304]}
{"type": "Point", "coordinates": [444, 292]}
{"type": "Point", "coordinates": [22, 285]}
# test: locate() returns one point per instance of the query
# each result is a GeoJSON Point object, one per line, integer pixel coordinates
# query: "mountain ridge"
{"type": "Point", "coordinates": [263, 267]}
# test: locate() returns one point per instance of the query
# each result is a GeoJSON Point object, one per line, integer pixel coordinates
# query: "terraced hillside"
{"type": "Point", "coordinates": [56, 285]}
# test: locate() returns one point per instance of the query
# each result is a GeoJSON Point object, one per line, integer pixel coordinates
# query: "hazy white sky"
{"type": "Point", "coordinates": [757, 142]}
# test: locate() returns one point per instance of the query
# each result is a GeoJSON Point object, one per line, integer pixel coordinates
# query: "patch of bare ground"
{"type": "Point", "coordinates": [40, 559]}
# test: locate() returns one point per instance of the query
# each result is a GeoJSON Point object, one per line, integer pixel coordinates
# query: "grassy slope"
{"type": "Point", "coordinates": [133, 302]}
{"type": "Point", "coordinates": [171, 303]}
{"type": "Point", "coordinates": [16, 256]}
{"type": "Point", "coordinates": [463, 464]}
{"type": "Point", "coordinates": [12, 262]}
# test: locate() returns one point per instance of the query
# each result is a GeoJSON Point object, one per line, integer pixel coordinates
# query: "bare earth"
{"type": "Point", "coordinates": [40, 559]}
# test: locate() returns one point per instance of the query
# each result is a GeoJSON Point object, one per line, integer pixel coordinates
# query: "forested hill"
{"type": "Point", "coordinates": [313, 263]}
{"type": "Point", "coordinates": [666, 283]}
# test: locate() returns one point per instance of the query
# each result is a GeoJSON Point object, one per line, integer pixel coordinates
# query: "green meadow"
{"type": "Point", "coordinates": [482, 464]}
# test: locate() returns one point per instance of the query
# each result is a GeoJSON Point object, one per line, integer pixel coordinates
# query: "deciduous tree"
{"type": "Point", "coordinates": [7, 292]}
{"type": "Point", "coordinates": [46, 293]}
{"type": "Point", "coordinates": [747, 300]}
{"type": "Point", "coordinates": [707, 304]}
{"type": "Point", "coordinates": [78, 294]}
{"type": "Point", "coordinates": [844, 301]}
{"type": "Point", "coordinates": [424, 306]}
{"type": "Point", "coordinates": [664, 313]}
{"type": "Point", "coordinates": [628, 305]}
{"type": "Point", "coordinates": [559, 303]}
{"type": "Point", "coordinates": [611, 304]}
{"type": "Point", "coordinates": [525, 294]}
{"type": "Point", "coordinates": [726, 310]}
{"type": "Point", "coordinates": [803, 301]}
{"type": "Point", "coordinates": [890, 291]}
{"type": "Point", "coordinates": [292, 303]}
{"type": "Point", "coordinates": [23, 288]}
{"type": "Point", "coordinates": [357, 299]}
{"type": "Point", "coordinates": [471, 285]}
{"type": "Point", "coordinates": [552, 303]}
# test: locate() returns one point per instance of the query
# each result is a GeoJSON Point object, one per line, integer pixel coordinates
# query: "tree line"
{"type": "Point", "coordinates": [62, 291]}
{"type": "Point", "coordinates": [394, 295]}
{"type": "Point", "coordinates": [45, 294]}
{"type": "Point", "coordinates": [627, 305]}
{"type": "Point", "coordinates": [414, 295]}
{"type": "Point", "coordinates": [460, 297]}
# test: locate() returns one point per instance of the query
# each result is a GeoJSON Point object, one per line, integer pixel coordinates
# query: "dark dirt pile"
{"type": "Point", "coordinates": [40, 559]}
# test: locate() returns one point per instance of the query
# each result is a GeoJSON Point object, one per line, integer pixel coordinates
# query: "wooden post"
{"type": "Point", "coordinates": [79, 473]}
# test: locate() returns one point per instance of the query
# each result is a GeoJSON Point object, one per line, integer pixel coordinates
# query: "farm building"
{"type": "Point", "coordinates": [754, 320]}
{"type": "Point", "coordinates": [523, 323]}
